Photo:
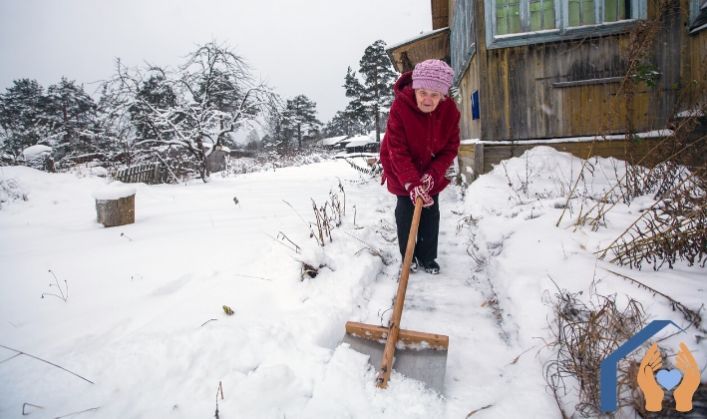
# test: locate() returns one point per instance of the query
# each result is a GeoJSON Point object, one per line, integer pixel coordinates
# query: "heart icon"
{"type": "Point", "coordinates": [668, 379]}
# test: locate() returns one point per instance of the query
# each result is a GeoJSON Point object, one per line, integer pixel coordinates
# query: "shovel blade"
{"type": "Point", "coordinates": [426, 365]}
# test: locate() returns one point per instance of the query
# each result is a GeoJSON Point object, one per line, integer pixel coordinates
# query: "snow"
{"type": "Point", "coordinates": [422, 35]}
{"type": "Point", "coordinates": [99, 171]}
{"type": "Point", "coordinates": [690, 113]}
{"type": "Point", "coordinates": [360, 141]}
{"type": "Point", "coordinates": [113, 192]}
{"type": "Point", "coordinates": [36, 151]}
{"type": "Point", "coordinates": [333, 140]}
{"type": "Point", "coordinates": [144, 320]}
{"type": "Point", "coordinates": [610, 137]}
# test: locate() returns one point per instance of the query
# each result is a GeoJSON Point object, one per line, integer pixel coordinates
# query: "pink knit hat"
{"type": "Point", "coordinates": [434, 75]}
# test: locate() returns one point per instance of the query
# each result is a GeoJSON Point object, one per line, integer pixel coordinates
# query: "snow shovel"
{"type": "Point", "coordinates": [421, 356]}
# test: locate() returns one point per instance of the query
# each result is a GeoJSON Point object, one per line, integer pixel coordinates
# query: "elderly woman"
{"type": "Point", "coordinates": [421, 142]}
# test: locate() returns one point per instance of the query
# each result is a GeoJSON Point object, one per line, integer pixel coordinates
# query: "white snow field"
{"type": "Point", "coordinates": [135, 318]}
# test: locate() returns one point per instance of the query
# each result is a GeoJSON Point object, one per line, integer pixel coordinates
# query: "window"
{"type": "Point", "coordinates": [615, 10]}
{"type": "Point", "coordinates": [516, 22]}
{"type": "Point", "coordinates": [507, 16]}
{"type": "Point", "coordinates": [511, 15]}
{"type": "Point", "coordinates": [581, 12]}
{"type": "Point", "coordinates": [542, 14]}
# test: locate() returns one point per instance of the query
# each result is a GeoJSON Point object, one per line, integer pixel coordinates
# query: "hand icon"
{"type": "Point", "coordinates": [646, 379]}
{"type": "Point", "coordinates": [690, 379]}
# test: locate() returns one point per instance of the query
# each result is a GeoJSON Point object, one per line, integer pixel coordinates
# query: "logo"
{"type": "Point", "coordinates": [653, 380]}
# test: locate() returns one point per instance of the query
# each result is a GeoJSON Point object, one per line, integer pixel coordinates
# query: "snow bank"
{"type": "Point", "coordinates": [36, 151]}
{"type": "Point", "coordinates": [144, 318]}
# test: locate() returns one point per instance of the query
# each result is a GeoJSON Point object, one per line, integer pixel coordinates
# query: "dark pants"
{"type": "Point", "coordinates": [428, 232]}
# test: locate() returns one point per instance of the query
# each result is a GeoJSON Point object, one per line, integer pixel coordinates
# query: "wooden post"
{"type": "Point", "coordinates": [115, 208]}
{"type": "Point", "coordinates": [394, 330]}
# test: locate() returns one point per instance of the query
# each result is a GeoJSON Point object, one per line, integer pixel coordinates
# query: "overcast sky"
{"type": "Point", "coordinates": [297, 46]}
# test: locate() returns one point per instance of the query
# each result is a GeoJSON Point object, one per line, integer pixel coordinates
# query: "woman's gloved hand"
{"type": "Point", "coordinates": [427, 182]}
{"type": "Point", "coordinates": [418, 191]}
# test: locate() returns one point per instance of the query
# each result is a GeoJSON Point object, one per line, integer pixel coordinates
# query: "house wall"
{"type": "Point", "coordinates": [470, 128]}
{"type": "Point", "coordinates": [550, 90]}
{"type": "Point", "coordinates": [547, 91]}
{"type": "Point", "coordinates": [440, 13]}
{"type": "Point", "coordinates": [694, 68]}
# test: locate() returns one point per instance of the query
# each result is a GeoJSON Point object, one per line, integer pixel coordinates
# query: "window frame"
{"type": "Point", "coordinates": [562, 30]}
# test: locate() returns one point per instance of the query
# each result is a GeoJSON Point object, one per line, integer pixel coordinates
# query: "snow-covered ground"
{"type": "Point", "coordinates": [142, 317]}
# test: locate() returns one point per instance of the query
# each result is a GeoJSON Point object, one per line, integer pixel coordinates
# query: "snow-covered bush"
{"type": "Point", "coordinates": [10, 190]}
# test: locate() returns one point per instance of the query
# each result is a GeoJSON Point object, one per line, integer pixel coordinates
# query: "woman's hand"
{"type": "Point", "coordinates": [427, 182]}
{"type": "Point", "coordinates": [420, 192]}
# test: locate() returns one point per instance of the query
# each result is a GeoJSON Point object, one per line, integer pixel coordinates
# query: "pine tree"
{"type": "Point", "coordinates": [378, 76]}
{"type": "Point", "coordinates": [355, 111]}
{"type": "Point", "coordinates": [344, 123]}
{"type": "Point", "coordinates": [375, 93]}
{"type": "Point", "coordinates": [21, 109]}
{"type": "Point", "coordinates": [70, 116]}
{"type": "Point", "coordinates": [273, 138]}
{"type": "Point", "coordinates": [300, 117]}
{"type": "Point", "coordinates": [155, 96]}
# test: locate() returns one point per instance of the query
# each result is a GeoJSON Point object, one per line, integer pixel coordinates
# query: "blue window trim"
{"type": "Point", "coordinates": [563, 31]}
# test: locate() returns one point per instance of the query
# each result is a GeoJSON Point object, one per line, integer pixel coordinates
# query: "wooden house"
{"type": "Point", "coordinates": [583, 76]}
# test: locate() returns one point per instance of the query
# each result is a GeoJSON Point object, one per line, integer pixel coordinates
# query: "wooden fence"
{"type": "Point", "coordinates": [151, 173]}
{"type": "Point", "coordinates": [372, 168]}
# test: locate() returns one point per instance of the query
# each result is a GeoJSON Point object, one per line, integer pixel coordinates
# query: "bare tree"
{"type": "Point", "coordinates": [187, 114]}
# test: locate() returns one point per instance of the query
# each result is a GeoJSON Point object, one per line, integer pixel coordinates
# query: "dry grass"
{"type": "Point", "coordinates": [584, 336]}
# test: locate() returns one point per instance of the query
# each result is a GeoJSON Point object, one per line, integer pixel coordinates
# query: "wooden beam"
{"type": "Point", "coordinates": [410, 338]}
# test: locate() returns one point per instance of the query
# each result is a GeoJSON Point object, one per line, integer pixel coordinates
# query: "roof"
{"type": "Point", "coordinates": [419, 37]}
{"type": "Point", "coordinates": [434, 44]}
{"type": "Point", "coordinates": [360, 141]}
{"type": "Point", "coordinates": [333, 140]}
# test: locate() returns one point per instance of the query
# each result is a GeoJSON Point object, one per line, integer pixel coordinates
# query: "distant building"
{"type": "Point", "coordinates": [363, 144]}
{"type": "Point", "coordinates": [333, 143]}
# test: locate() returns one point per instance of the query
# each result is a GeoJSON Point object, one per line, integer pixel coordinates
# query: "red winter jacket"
{"type": "Point", "coordinates": [416, 143]}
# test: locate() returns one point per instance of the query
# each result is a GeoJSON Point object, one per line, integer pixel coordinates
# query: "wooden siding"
{"type": "Point", "coordinates": [470, 128]}
{"type": "Point", "coordinates": [694, 69]}
{"type": "Point", "coordinates": [573, 88]}
{"type": "Point", "coordinates": [440, 13]}
{"type": "Point", "coordinates": [486, 156]}
{"type": "Point", "coordinates": [521, 97]}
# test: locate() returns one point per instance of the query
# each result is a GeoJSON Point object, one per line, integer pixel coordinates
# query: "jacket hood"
{"type": "Point", "coordinates": [403, 90]}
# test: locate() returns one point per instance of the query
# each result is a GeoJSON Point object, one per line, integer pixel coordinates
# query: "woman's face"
{"type": "Point", "coordinates": [427, 100]}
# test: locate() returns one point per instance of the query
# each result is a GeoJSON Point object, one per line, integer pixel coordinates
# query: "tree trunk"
{"type": "Point", "coordinates": [203, 165]}
{"type": "Point", "coordinates": [378, 128]}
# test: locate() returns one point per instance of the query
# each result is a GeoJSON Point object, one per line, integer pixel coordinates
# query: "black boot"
{"type": "Point", "coordinates": [431, 267]}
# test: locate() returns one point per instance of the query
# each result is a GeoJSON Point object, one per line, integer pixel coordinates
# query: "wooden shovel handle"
{"type": "Point", "coordinates": [389, 351]}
